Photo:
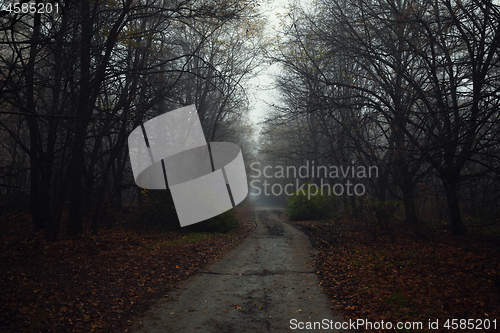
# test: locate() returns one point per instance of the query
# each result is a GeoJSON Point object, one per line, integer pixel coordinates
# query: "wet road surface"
{"type": "Point", "coordinates": [261, 286]}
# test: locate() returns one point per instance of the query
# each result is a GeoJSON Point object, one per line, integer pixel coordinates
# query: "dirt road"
{"type": "Point", "coordinates": [267, 284]}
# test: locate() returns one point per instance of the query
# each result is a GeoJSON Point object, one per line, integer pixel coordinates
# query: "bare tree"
{"type": "Point", "coordinates": [418, 89]}
{"type": "Point", "coordinates": [82, 78]}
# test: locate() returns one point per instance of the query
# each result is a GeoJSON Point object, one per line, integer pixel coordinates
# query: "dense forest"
{"type": "Point", "coordinates": [78, 79]}
{"type": "Point", "coordinates": [408, 86]}
{"type": "Point", "coordinates": [387, 109]}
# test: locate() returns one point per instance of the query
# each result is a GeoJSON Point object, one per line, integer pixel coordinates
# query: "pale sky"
{"type": "Point", "coordinates": [260, 91]}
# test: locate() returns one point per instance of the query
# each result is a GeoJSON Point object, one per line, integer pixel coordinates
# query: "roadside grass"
{"type": "Point", "coordinates": [192, 237]}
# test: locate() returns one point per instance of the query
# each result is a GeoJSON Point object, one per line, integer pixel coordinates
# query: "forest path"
{"type": "Point", "coordinates": [260, 286]}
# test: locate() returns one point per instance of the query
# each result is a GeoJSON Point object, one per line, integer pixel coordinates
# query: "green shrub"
{"type": "Point", "coordinates": [307, 206]}
{"type": "Point", "coordinates": [387, 209]}
{"type": "Point", "coordinates": [222, 223]}
{"type": "Point", "coordinates": [158, 212]}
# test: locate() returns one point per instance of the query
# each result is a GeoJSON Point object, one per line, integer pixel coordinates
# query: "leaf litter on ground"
{"type": "Point", "coordinates": [98, 283]}
{"type": "Point", "coordinates": [400, 276]}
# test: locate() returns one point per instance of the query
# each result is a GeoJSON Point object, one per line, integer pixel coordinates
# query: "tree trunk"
{"type": "Point", "coordinates": [409, 203]}
{"type": "Point", "coordinates": [450, 183]}
{"type": "Point", "coordinates": [75, 219]}
{"type": "Point", "coordinates": [40, 210]}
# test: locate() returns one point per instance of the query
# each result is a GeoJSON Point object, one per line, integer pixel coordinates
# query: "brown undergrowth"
{"type": "Point", "coordinates": [97, 283]}
{"type": "Point", "coordinates": [398, 276]}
